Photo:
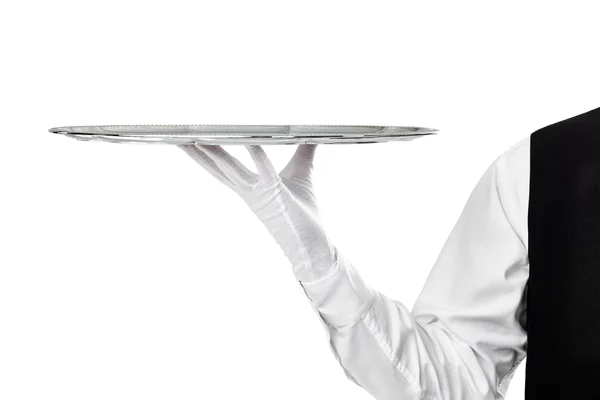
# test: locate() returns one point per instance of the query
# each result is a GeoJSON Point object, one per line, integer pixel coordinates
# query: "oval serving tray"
{"type": "Point", "coordinates": [243, 134]}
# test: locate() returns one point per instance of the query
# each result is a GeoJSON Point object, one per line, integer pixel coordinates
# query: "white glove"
{"type": "Point", "coordinates": [284, 202]}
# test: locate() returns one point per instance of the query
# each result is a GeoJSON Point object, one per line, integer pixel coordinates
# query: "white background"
{"type": "Point", "coordinates": [128, 272]}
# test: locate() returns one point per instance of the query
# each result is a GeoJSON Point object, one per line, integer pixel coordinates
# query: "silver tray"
{"type": "Point", "coordinates": [243, 134]}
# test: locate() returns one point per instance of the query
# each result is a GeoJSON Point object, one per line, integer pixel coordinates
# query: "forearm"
{"type": "Point", "coordinates": [383, 349]}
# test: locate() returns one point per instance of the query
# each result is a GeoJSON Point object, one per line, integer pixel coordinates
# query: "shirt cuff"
{"type": "Point", "coordinates": [341, 297]}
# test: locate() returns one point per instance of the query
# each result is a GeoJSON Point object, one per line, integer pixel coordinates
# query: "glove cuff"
{"type": "Point", "coordinates": [341, 297]}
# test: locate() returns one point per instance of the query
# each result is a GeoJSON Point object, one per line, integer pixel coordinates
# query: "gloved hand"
{"type": "Point", "coordinates": [285, 203]}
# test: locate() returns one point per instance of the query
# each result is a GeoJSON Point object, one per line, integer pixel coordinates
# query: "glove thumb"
{"type": "Point", "coordinates": [301, 164]}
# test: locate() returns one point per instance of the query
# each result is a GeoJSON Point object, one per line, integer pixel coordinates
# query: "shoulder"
{"type": "Point", "coordinates": [513, 166]}
{"type": "Point", "coordinates": [512, 169]}
{"type": "Point", "coordinates": [516, 157]}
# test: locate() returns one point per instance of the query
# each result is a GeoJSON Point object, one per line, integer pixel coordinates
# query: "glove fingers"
{"type": "Point", "coordinates": [230, 166]}
{"type": "Point", "coordinates": [202, 159]}
{"type": "Point", "coordinates": [301, 164]}
{"type": "Point", "coordinates": [263, 164]}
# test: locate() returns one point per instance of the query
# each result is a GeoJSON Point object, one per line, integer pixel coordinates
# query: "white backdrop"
{"type": "Point", "coordinates": [128, 272]}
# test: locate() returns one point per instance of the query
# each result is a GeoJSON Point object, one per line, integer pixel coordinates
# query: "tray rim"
{"type": "Point", "coordinates": [287, 128]}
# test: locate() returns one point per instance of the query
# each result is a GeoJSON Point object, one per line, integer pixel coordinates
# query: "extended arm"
{"type": "Point", "coordinates": [461, 341]}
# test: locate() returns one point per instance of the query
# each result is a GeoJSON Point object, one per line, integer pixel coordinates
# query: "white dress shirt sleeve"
{"type": "Point", "coordinates": [462, 340]}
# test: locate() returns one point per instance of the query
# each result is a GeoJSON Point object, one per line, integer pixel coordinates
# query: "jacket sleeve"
{"type": "Point", "coordinates": [462, 339]}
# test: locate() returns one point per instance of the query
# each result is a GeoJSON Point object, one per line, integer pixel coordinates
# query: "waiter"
{"type": "Point", "coordinates": [518, 275]}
